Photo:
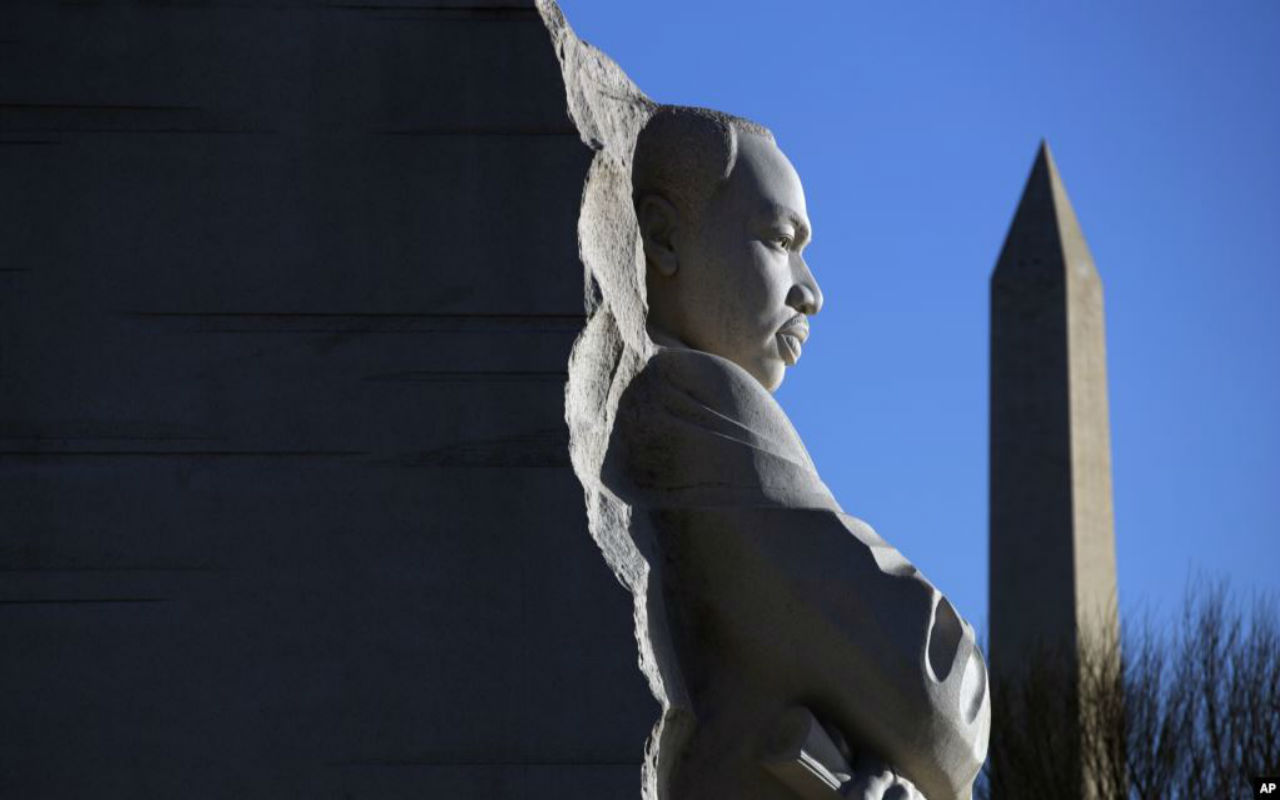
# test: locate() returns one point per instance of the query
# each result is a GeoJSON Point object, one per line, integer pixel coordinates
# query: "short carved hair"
{"type": "Point", "coordinates": [683, 153]}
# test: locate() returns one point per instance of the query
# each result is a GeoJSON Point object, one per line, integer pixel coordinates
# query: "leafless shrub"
{"type": "Point", "coordinates": [1181, 713]}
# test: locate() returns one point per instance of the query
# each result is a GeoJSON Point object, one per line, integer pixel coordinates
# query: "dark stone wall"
{"type": "Point", "coordinates": [287, 293]}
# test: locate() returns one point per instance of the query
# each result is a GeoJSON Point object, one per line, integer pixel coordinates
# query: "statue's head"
{"type": "Point", "coordinates": [723, 220]}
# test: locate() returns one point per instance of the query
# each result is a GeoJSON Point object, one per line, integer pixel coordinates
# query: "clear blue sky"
{"type": "Point", "coordinates": [913, 126]}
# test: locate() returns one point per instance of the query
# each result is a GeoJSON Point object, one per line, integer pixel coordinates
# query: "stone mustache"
{"type": "Point", "coordinates": [794, 652]}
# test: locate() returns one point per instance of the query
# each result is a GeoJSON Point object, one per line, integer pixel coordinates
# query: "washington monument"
{"type": "Point", "coordinates": [1052, 548]}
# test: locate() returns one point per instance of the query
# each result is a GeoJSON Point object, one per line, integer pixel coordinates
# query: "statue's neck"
{"type": "Point", "coordinates": [664, 338]}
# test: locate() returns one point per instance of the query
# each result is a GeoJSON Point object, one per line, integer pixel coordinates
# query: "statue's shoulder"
{"type": "Point", "coordinates": [707, 381]}
{"type": "Point", "coordinates": [693, 429]}
{"type": "Point", "coordinates": [695, 364]}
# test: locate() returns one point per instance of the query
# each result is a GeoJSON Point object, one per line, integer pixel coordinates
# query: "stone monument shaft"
{"type": "Point", "coordinates": [1052, 546]}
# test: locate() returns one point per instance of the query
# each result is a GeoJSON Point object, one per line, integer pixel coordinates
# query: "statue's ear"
{"type": "Point", "coordinates": [658, 220]}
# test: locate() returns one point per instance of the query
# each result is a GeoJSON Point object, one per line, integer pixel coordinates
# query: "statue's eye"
{"type": "Point", "coordinates": [783, 241]}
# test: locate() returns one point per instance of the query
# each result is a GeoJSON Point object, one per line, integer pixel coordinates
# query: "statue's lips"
{"type": "Point", "coordinates": [791, 338]}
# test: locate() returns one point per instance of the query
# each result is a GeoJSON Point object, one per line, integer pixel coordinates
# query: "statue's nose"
{"type": "Point", "coordinates": [805, 296]}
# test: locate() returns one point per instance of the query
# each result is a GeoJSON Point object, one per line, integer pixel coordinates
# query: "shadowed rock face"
{"type": "Point", "coordinates": [286, 297]}
{"type": "Point", "coordinates": [795, 653]}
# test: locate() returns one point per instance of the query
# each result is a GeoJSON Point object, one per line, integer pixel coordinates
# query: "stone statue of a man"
{"type": "Point", "coordinates": [795, 653]}
{"type": "Point", "coordinates": [789, 620]}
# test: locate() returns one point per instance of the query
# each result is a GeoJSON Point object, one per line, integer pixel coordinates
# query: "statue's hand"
{"type": "Point", "coordinates": [813, 760]}
{"type": "Point", "coordinates": [873, 780]}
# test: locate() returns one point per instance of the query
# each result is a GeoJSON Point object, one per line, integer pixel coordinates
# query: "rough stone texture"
{"type": "Point", "coordinates": [794, 652]}
{"type": "Point", "coordinates": [286, 299]}
{"type": "Point", "coordinates": [609, 111]}
{"type": "Point", "coordinates": [1052, 549]}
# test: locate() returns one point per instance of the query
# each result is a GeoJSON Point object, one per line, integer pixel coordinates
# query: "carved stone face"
{"type": "Point", "coordinates": [735, 282]}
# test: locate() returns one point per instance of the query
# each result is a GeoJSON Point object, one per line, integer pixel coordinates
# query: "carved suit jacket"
{"type": "Point", "coordinates": [771, 585]}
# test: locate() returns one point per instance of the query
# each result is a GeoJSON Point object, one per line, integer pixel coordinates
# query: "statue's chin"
{"type": "Point", "coordinates": [770, 375]}
{"type": "Point", "coordinates": [768, 372]}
